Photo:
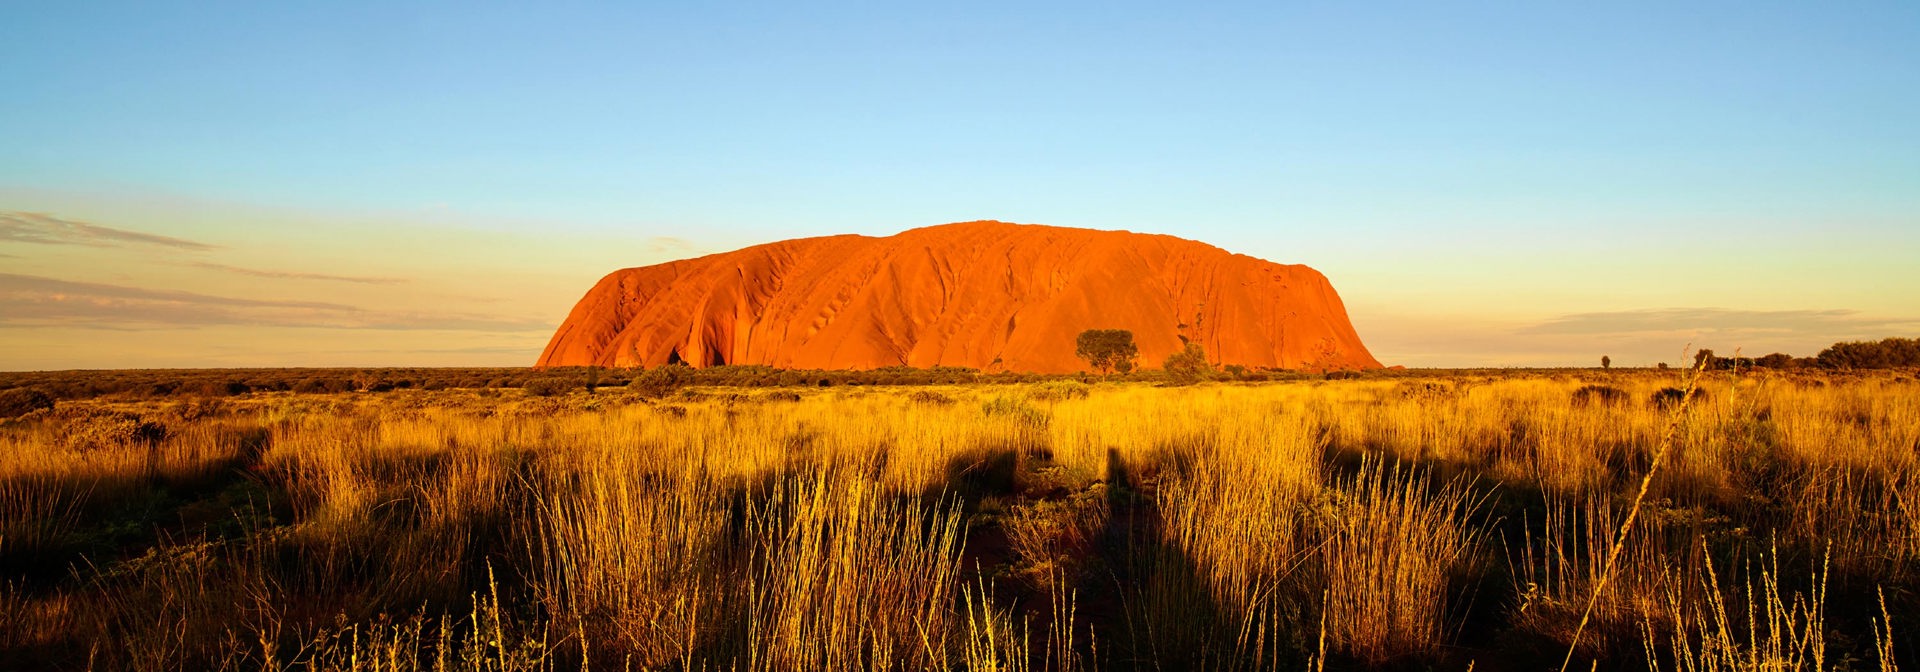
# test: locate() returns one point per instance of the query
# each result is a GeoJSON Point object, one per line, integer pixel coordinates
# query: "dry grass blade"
{"type": "Point", "coordinates": [1667, 441]}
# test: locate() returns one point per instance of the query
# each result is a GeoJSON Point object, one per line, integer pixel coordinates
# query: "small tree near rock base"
{"type": "Point", "coordinates": [1107, 350]}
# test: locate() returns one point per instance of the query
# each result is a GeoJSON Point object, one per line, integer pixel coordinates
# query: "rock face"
{"type": "Point", "coordinates": [988, 295]}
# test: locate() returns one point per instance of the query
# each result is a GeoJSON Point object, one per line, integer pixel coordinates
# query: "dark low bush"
{"type": "Point", "coordinates": [929, 397]}
{"type": "Point", "coordinates": [661, 381]}
{"type": "Point", "coordinates": [547, 387]}
{"type": "Point", "coordinates": [1599, 395]}
{"type": "Point", "coordinates": [95, 428]}
{"type": "Point", "coordinates": [23, 400]}
{"type": "Point", "coordinates": [1668, 397]}
{"type": "Point", "coordinates": [1427, 391]}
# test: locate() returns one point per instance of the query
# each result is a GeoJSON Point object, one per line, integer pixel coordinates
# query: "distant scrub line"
{"type": "Point", "coordinates": [1888, 353]}
{"type": "Point", "coordinates": [172, 383]}
{"type": "Point", "coordinates": [17, 389]}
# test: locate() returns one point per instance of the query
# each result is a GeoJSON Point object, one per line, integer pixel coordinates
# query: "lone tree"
{"type": "Point", "coordinates": [1187, 365]}
{"type": "Point", "coordinates": [1107, 349]}
{"type": "Point", "coordinates": [1606, 362]}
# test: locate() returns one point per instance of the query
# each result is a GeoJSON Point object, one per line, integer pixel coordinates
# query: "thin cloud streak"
{"type": "Point", "coordinates": [14, 286]}
{"type": "Point", "coordinates": [659, 244]}
{"type": "Point", "coordinates": [530, 351]}
{"type": "Point", "coordinates": [35, 301]}
{"type": "Point", "coordinates": [293, 275]}
{"type": "Point", "coordinates": [43, 229]}
{"type": "Point", "coordinates": [1716, 320]}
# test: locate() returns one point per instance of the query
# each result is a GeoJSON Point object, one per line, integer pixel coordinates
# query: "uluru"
{"type": "Point", "coordinates": [989, 295]}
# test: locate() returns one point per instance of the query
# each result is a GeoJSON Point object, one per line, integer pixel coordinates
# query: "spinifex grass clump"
{"type": "Point", "coordinates": [23, 400]}
{"type": "Point", "coordinates": [844, 576]}
{"type": "Point", "coordinates": [1398, 558]}
{"type": "Point", "coordinates": [634, 559]}
{"type": "Point", "coordinates": [1599, 395]}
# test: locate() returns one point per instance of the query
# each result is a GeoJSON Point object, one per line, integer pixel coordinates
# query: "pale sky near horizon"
{"type": "Point", "coordinates": [435, 184]}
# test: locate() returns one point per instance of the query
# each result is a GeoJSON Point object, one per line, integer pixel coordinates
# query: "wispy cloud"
{"type": "Point", "coordinates": [295, 275]}
{"type": "Point", "coordinates": [529, 350]}
{"type": "Point", "coordinates": [36, 301]}
{"type": "Point", "coordinates": [16, 286]}
{"type": "Point", "coordinates": [44, 229]}
{"type": "Point", "coordinates": [1840, 323]}
{"type": "Point", "coordinates": [660, 244]}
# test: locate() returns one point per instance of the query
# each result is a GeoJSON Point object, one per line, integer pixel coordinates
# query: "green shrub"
{"type": "Point", "coordinates": [661, 381]}
{"type": "Point", "coordinates": [1188, 365]}
{"type": "Point", "coordinates": [1059, 390]}
{"type": "Point", "coordinates": [1018, 409]}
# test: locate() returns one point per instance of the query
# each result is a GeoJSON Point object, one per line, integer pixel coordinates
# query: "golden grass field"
{"type": "Point", "coordinates": [1437, 522]}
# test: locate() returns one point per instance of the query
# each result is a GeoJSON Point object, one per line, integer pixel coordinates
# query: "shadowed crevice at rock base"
{"type": "Point", "coordinates": [988, 295]}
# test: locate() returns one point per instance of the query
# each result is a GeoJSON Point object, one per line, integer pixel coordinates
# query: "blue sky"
{"type": "Point", "coordinates": [1485, 183]}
